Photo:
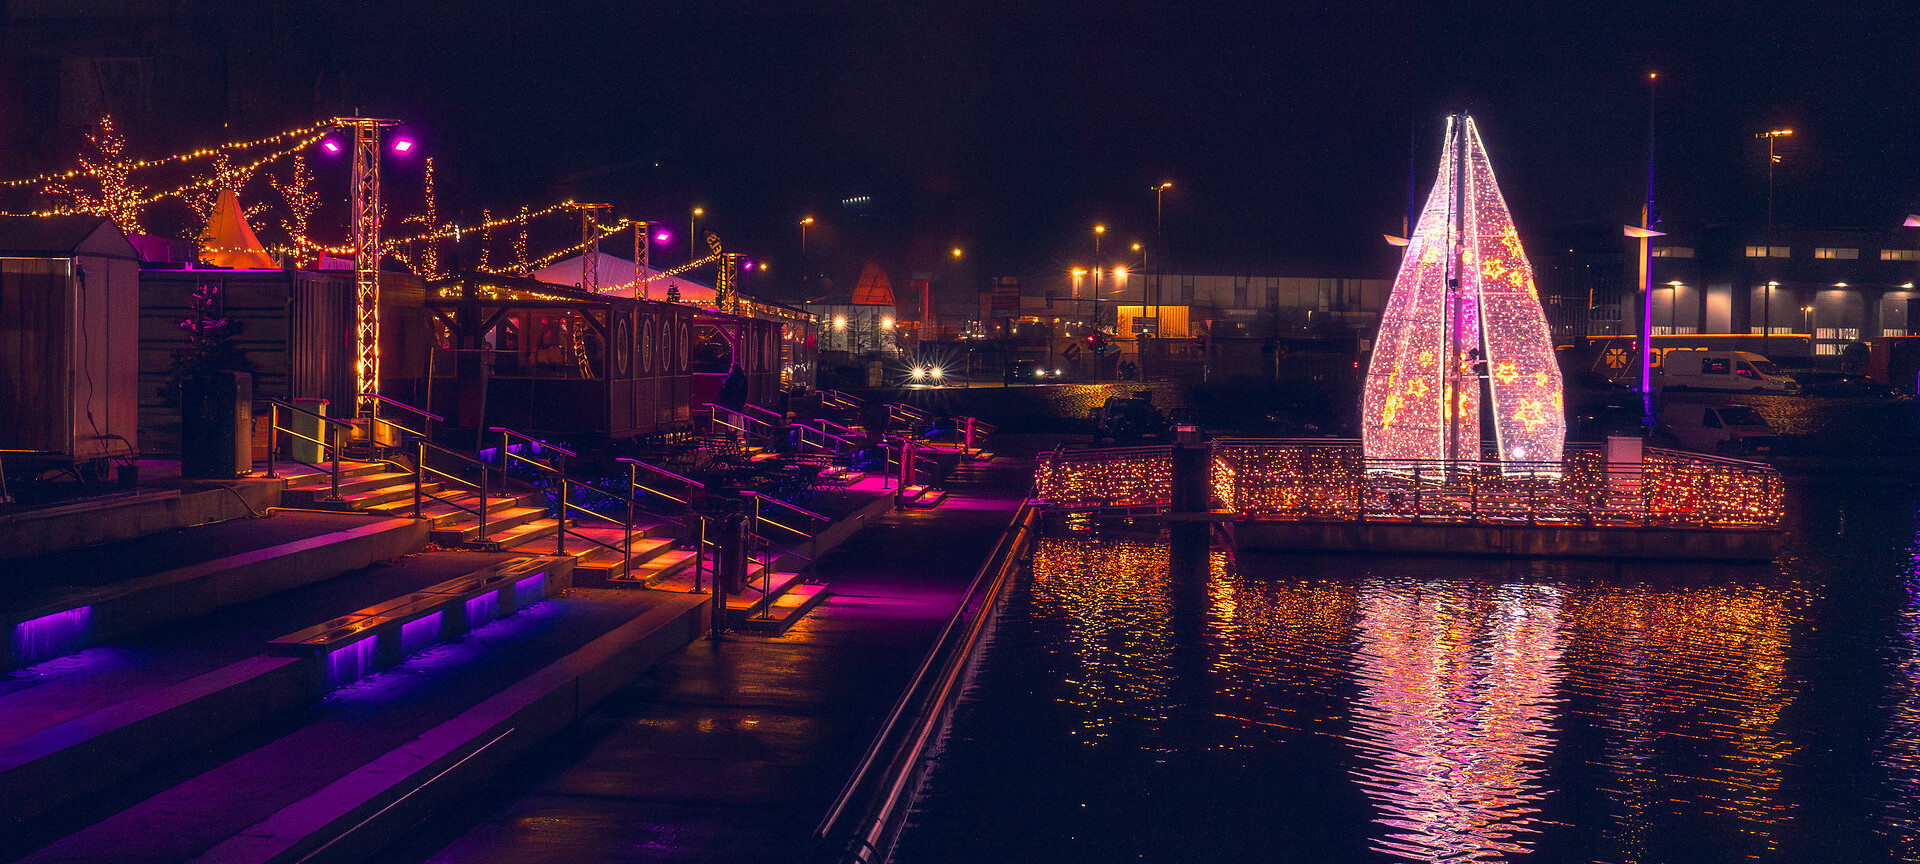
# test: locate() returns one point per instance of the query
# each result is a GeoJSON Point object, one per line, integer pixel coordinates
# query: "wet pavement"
{"type": "Point", "coordinates": [732, 751]}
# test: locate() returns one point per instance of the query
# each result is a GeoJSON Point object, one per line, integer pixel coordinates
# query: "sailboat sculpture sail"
{"type": "Point", "coordinates": [1463, 322]}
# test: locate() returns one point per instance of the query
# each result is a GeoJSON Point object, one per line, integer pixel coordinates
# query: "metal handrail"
{"type": "Point", "coordinates": [379, 400]}
{"type": "Point", "coordinates": [845, 431]}
{"type": "Point", "coordinates": [420, 471]}
{"type": "Point", "coordinates": [746, 420]}
{"type": "Point", "coordinates": [331, 446]}
{"type": "Point", "coordinates": [633, 480]}
{"type": "Point", "coordinates": [888, 786]}
{"type": "Point", "coordinates": [774, 414]}
{"type": "Point", "coordinates": [567, 483]}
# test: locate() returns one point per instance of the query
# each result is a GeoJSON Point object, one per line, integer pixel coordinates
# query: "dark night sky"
{"type": "Point", "coordinates": [1010, 127]}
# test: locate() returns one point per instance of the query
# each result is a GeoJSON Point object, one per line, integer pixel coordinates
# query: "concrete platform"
{"type": "Point", "coordinates": [26, 533]}
{"type": "Point", "coordinates": [1514, 540]}
{"type": "Point", "coordinates": [732, 751]}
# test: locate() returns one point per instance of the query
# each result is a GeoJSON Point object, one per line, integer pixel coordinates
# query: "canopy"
{"type": "Point", "coordinates": [615, 277]}
{"type": "Point", "coordinates": [228, 241]}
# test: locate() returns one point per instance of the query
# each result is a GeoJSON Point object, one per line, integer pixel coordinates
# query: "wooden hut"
{"type": "Point", "coordinates": [69, 313]}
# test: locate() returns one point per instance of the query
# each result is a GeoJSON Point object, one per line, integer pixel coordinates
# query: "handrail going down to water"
{"type": "Point", "coordinates": [866, 817]}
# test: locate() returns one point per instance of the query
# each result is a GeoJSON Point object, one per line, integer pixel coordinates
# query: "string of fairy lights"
{"type": "Point", "coordinates": [1335, 480]}
{"type": "Point", "coordinates": [120, 198]}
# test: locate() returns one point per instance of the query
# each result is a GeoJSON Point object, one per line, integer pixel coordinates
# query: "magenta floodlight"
{"type": "Point", "coordinates": [403, 146]}
{"type": "Point", "coordinates": [330, 145]}
{"type": "Point", "coordinates": [662, 237]}
{"type": "Point", "coordinates": [746, 264]}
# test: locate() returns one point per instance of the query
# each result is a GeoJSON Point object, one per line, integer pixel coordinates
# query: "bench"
{"type": "Point", "coordinates": [364, 641]}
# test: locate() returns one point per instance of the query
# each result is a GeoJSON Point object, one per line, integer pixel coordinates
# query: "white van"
{"type": "Point", "coordinates": [1728, 430]}
{"type": "Point", "coordinates": [1700, 369]}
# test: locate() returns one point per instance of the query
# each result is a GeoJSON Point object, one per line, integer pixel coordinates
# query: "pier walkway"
{"type": "Point", "coordinates": [732, 751]}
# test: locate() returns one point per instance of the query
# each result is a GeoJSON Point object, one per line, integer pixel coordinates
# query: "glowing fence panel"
{"type": "Point", "coordinates": [1133, 477]}
{"type": "Point", "coordinates": [1332, 480]}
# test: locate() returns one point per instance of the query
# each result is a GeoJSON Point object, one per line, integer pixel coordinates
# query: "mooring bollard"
{"type": "Point", "coordinates": [1191, 496]}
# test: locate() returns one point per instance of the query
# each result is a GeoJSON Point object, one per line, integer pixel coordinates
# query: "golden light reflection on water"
{"type": "Point", "coordinates": [1454, 696]}
{"type": "Point", "coordinates": [1899, 752]}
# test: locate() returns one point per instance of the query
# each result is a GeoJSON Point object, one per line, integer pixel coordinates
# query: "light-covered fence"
{"type": "Point", "coordinates": [1332, 480]}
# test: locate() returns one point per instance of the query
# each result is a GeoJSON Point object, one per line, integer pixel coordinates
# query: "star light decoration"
{"type": "Point", "coordinates": [1422, 399]}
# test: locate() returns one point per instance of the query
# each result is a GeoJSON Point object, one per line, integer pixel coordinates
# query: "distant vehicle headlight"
{"type": "Point", "coordinates": [936, 372]}
{"type": "Point", "coordinates": [919, 372]}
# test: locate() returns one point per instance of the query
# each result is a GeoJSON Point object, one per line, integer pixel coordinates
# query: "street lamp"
{"type": "Point", "coordinates": [1806, 320]}
{"type": "Point", "coordinates": [1771, 161]}
{"type": "Point", "coordinates": [956, 253]}
{"type": "Point", "coordinates": [1766, 317]}
{"type": "Point", "coordinates": [1645, 233]}
{"type": "Point", "coordinates": [693, 234]}
{"type": "Point", "coordinates": [803, 234]}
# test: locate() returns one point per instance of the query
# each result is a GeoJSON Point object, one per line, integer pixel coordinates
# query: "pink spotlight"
{"type": "Point", "coordinates": [662, 237]}
{"type": "Point", "coordinates": [403, 145]}
{"type": "Point", "coordinates": [330, 145]}
{"type": "Point", "coordinates": [747, 264]}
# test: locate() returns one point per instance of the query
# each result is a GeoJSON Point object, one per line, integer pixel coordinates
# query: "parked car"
{"type": "Point", "coordinates": [1843, 385]}
{"type": "Point", "coordinates": [1697, 369]}
{"type": "Point", "coordinates": [1032, 372]}
{"type": "Point", "coordinates": [1726, 430]}
{"type": "Point", "coordinates": [1125, 419]}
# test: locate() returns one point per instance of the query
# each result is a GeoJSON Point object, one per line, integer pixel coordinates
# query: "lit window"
{"type": "Point", "coordinates": [1769, 251]}
{"type": "Point", "coordinates": [1835, 253]}
{"type": "Point", "coordinates": [1681, 252]}
{"type": "Point", "coordinates": [1900, 254]}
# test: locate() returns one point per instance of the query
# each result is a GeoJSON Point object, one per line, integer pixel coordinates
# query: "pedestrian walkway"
{"type": "Point", "coordinates": [732, 751]}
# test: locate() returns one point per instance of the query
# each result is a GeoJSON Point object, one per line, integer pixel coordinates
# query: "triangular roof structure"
{"type": "Point", "coordinates": [873, 289]}
{"type": "Point", "coordinates": [228, 241]}
{"type": "Point", "coordinates": [615, 276]}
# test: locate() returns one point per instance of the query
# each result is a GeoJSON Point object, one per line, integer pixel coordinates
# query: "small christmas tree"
{"type": "Point", "coordinates": [209, 346]}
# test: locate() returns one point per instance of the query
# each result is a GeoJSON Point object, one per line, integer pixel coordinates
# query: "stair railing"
{"type": "Point", "coordinates": [421, 469]}
{"type": "Point", "coordinates": [329, 427]}
{"type": "Point", "coordinates": [558, 475]}
{"type": "Point", "coordinates": [749, 426]}
{"type": "Point", "coordinates": [421, 416]}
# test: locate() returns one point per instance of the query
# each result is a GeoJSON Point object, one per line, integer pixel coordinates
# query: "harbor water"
{"type": "Point", "coordinates": [1377, 708]}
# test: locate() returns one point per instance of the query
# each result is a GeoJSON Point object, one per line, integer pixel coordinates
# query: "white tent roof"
{"type": "Point", "coordinates": [616, 271]}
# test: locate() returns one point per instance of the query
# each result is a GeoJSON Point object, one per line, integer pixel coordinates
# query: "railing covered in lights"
{"type": "Point", "coordinates": [1333, 481]}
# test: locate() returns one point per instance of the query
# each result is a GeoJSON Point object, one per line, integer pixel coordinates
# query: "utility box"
{"type": "Point", "coordinates": [1626, 457]}
{"type": "Point", "coordinates": [301, 449]}
{"type": "Point", "coordinates": [69, 339]}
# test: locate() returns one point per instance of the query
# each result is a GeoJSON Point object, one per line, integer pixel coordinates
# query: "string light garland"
{"type": "Point", "coordinates": [306, 133]}
{"type": "Point", "coordinates": [118, 198]}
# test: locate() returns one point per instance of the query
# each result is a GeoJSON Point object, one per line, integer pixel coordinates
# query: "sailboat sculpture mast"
{"type": "Point", "coordinates": [1463, 325]}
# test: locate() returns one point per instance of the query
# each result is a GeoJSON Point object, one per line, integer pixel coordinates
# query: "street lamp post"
{"type": "Point", "coordinates": [803, 236]}
{"type": "Point", "coordinates": [1771, 161]}
{"type": "Point", "coordinates": [693, 233]}
{"type": "Point", "coordinates": [1766, 317]}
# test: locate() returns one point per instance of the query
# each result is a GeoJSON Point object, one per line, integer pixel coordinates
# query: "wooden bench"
{"type": "Point", "coordinates": [366, 640]}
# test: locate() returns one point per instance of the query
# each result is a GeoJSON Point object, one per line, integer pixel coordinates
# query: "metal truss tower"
{"type": "Point", "coordinates": [590, 243]}
{"type": "Point", "coordinates": [366, 246]}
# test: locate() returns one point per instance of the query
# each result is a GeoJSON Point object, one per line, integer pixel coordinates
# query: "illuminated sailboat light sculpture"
{"type": "Point", "coordinates": [1463, 313]}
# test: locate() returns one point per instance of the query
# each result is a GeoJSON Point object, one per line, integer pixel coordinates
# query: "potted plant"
{"type": "Point", "coordinates": [211, 381]}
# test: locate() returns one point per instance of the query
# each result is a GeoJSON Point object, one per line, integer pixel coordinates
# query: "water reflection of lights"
{"type": "Point", "coordinates": [1455, 714]}
{"type": "Point", "coordinates": [1657, 701]}
{"type": "Point", "coordinates": [1899, 752]}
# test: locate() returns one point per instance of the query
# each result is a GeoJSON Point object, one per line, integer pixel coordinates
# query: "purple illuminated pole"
{"type": "Point", "coordinates": [1644, 233]}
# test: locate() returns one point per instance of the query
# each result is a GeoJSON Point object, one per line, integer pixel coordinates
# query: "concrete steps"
{"type": "Point", "coordinates": [339, 779]}
{"type": "Point", "coordinates": [922, 497]}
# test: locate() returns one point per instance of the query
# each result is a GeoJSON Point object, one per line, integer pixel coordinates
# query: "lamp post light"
{"type": "Point", "coordinates": [1806, 320]}
{"type": "Point", "coordinates": [803, 234]}
{"type": "Point", "coordinates": [1766, 316]}
{"type": "Point", "coordinates": [693, 233]}
{"type": "Point", "coordinates": [1772, 160]}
